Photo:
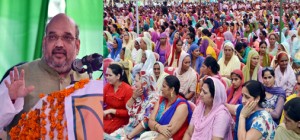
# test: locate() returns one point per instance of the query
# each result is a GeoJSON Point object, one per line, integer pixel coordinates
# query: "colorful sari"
{"type": "Point", "coordinates": [165, 118]}
{"type": "Point", "coordinates": [260, 120]}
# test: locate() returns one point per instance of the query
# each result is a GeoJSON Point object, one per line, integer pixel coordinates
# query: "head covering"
{"type": "Point", "coordinates": [286, 47]}
{"type": "Point", "coordinates": [148, 65]}
{"type": "Point", "coordinates": [109, 37]}
{"type": "Point", "coordinates": [148, 42]}
{"type": "Point", "coordinates": [234, 62]}
{"type": "Point", "coordinates": [130, 43]}
{"type": "Point", "coordinates": [171, 58]}
{"type": "Point", "coordinates": [228, 36]}
{"type": "Point", "coordinates": [238, 92]}
{"type": "Point", "coordinates": [168, 46]}
{"type": "Point", "coordinates": [134, 35]}
{"type": "Point", "coordinates": [199, 59]}
{"type": "Point", "coordinates": [115, 52]}
{"type": "Point", "coordinates": [246, 69]}
{"type": "Point", "coordinates": [182, 56]}
{"type": "Point", "coordinates": [146, 27]}
{"type": "Point", "coordinates": [147, 34]}
{"type": "Point", "coordinates": [154, 37]}
{"type": "Point", "coordinates": [288, 77]}
{"type": "Point", "coordinates": [204, 129]}
{"type": "Point", "coordinates": [162, 75]}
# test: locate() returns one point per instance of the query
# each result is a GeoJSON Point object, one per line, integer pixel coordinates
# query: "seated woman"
{"type": "Point", "coordinates": [210, 67]}
{"type": "Point", "coordinates": [126, 62]}
{"type": "Point", "coordinates": [116, 93]}
{"type": "Point", "coordinates": [275, 96]}
{"type": "Point", "coordinates": [116, 49]}
{"type": "Point", "coordinates": [252, 69]}
{"type": "Point", "coordinates": [283, 47]}
{"type": "Point", "coordinates": [136, 50]}
{"type": "Point", "coordinates": [285, 76]}
{"type": "Point", "coordinates": [171, 114]}
{"type": "Point", "coordinates": [176, 51]}
{"type": "Point", "coordinates": [211, 120]}
{"type": "Point", "coordinates": [146, 62]}
{"type": "Point", "coordinates": [252, 121]}
{"type": "Point", "coordinates": [196, 59]}
{"type": "Point", "coordinates": [290, 129]}
{"type": "Point", "coordinates": [128, 41]}
{"type": "Point", "coordinates": [187, 76]}
{"type": "Point", "coordinates": [234, 93]}
{"type": "Point", "coordinates": [264, 57]}
{"type": "Point", "coordinates": [229, 61]}
{"type": "Point", "coordinates": [205, 48]}
{"type": "Point", "coordinates": [139, 107]}
{"type": "Point", "coordinates": [163, 48]}
{"type": "Point", "coordinates": [159, 74]}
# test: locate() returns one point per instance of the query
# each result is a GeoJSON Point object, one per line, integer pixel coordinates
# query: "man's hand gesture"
{"type": "Point", "coordinates": [16, 87]}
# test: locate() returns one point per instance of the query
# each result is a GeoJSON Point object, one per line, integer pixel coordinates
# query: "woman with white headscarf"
{"type": "Point", "coordinates": [146, 63]}
{"type": "Point", "coordinates": [187, 76]}
{"type": "Point", "coordinates": [229, 61]}
{"type": "Point", "coordinates": [136, 50]}
{"type": "Point", "coordinates": [159, 74]}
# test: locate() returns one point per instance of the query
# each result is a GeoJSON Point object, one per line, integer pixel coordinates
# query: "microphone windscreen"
{"type": "Point", "coordinates": [77, 65]}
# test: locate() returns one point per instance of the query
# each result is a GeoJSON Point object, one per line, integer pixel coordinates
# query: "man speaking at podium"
{"type": "Point", "coordinates": [20, 90]}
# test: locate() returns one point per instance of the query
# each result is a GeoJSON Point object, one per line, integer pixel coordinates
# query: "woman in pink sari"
{"type": "Point", "coordinates": [211, 119]}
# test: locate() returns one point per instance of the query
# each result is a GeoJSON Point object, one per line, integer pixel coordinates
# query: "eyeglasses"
{"type": "Point", "coordinates": [65, 38]}
{"type": "Point", "coordinates": [267, 68]}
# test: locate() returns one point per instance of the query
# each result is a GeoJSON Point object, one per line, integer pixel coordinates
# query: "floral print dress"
{"type": "Point", "coordinates": [260, 120]}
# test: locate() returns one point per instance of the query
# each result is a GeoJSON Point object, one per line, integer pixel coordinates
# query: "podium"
{"type": "Point", "coordinates": [73, 113]}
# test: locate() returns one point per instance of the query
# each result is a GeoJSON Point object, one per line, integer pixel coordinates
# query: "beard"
{"type": "Point", "coordinates": [59, 66]}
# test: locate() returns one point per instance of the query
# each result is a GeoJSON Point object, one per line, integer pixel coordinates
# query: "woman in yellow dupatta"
{"type": "Point", "coordinates": [206, 48]}
{"type": "Point", "coordinates": [126, 62]}
{"type": "Point", "coordinates": [252, 69]}
{"type": "Point", "coordinates": [128, 41]}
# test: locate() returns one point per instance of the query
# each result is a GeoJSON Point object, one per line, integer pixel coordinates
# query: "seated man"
{"type": "Point", "coordinates": [50, 73]}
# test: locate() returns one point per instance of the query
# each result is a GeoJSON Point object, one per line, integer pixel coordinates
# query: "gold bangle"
{"type": "Point", "coordinates": [155, 128]}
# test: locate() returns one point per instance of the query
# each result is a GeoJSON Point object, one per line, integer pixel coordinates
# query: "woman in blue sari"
{"type": "Point", "coordinates": [196, 59]}
{"type": "Point", "coordinates": [252, 121]}
{"type": "Point", "coordinates": [172, 113]}
{"type": "Point", "coordinates": [116, 49]}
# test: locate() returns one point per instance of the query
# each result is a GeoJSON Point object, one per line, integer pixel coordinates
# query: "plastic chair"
{"type": "Point", "coordinates": [219, 42]}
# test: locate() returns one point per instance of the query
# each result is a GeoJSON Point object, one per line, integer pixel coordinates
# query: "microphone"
{"type": "Point", "coordinates": [93, 63]}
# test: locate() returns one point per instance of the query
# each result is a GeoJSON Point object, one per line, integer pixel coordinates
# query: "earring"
{"type": "Point", "coordinates": [171, 94]}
